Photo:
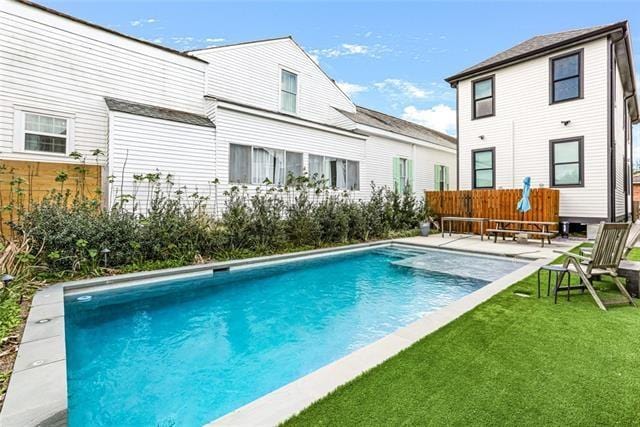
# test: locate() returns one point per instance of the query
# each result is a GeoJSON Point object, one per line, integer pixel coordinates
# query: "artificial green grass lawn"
{"type": "Point", "coordinates": [510, 361]}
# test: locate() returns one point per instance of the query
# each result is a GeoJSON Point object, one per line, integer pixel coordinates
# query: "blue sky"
{"type": "Point", "coordinates": [389, 56]}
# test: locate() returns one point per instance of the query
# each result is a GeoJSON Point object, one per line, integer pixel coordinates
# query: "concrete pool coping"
{"type": "Point", "coordinates": [37, 392]}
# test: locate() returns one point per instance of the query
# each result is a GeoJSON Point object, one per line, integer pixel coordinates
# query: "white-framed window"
{"type": "Point", "coordinates": [288, 91]}
{"type": "Point", "coordinates": [259, 165]}
{"type": "Point", "coordinates": [43, 132]}
{"type": "Point", "coordinates": [339, 173]}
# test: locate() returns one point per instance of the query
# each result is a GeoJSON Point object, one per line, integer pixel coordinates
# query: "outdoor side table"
{"type": "Point", "coordinates": [559, 270]}
{"type": "Point", "coordinates": [630, 270]}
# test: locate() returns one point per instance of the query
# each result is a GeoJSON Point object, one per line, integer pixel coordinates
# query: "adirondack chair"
{"type": "Point", "coordinates": [632, 238]}
{"type": "Point", "coordinates": [604, 260]}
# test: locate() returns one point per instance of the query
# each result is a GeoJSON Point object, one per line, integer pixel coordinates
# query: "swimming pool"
{"type": "Point", "coordinates": [185, 352]}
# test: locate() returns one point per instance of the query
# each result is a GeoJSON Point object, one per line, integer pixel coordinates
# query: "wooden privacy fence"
{"type": "Point", "coordinates": [494, 204]}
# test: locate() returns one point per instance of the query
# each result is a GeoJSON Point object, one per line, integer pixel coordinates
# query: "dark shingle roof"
{"type": "Point", "coordinates": [535, 45]}
{"type": "Point", "coordinates": [393, 124]}
{"type": "Point", "coordinates": [157, 112]}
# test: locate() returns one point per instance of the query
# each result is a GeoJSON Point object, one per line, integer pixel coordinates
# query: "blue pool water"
{"type": "Point", "coordinates": [183, 353]}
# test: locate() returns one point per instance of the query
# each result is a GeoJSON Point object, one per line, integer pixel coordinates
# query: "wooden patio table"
{"type": "Point", "coordinates": [452, 219]}
{"type": "Point", "coordinates": [508, 226]}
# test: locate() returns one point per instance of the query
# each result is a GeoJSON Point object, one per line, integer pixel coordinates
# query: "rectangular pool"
{"type": "Point", "coordinates": [185, 352]}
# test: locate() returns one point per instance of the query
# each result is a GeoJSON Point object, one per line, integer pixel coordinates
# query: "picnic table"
{"type": "Point", "coordinates": [514, 227]}
{"type": "Point", "coordinates": [468, 220]}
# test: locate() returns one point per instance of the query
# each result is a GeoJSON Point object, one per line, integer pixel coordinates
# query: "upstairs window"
{"type": "Point", "coordinates": [566, 77]}
{"type": "Point", "coordinates": [567, 161]}
{"type": "Point", "coordinates": [45, 133]}
{"type": "Point", "coordinates": [288, 92]}
{"type": "Point", "coordinates": [483, 166]}
{"type": "Point", "coordinates": [483, 99]}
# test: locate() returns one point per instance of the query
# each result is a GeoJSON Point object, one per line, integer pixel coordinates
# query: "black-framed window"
{"type": "Point", "coordinates": [566, 77]}
{"type": "Point", "coordinates": [483, 166]}
{"type": "Point", "coordinates": [567, 162]}
{"type": "Point", "coordinates": [483, 97]}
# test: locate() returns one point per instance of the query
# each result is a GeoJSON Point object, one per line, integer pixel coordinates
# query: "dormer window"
{"type": "Point", "coordinates": [566, 77]}
{"type": "Point", "coordinates": [483, 99]}
{"type": "Point", "coordinates": [288, 92]}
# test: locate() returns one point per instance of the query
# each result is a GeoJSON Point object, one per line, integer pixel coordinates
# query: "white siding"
{"type": "Point", "coordinates": [380, 152]}
{"type": "Point", "coordinates": [51, 63]}
{"type": "Point", "coordinates": [236, 127]}
{"type": "Point", "coordinates": [620, 144]}
{"type": "Point", "coordinates": [250, 74]}
{"type": "Point", "coordinates": [524, 123]}
{"type": "Point", "coordinates": [141, 145]}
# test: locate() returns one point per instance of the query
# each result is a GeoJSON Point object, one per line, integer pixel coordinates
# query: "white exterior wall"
{"type": "Point", "coordinates": [380, 152]}
{"type": "Point", "coordinates": [524, 123]}
{"type": "Point", "coordinates": [235, 127]}
{"type": "Point", "coordinates": [52, 64]}
{"type": "Point", "coordinates": [141, 145]}
{"type": "Point", "coordinates": [622, 140]}
{"type": "Point", "coordinates": [250, 74]}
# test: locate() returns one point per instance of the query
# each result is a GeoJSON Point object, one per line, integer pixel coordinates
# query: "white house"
{"type": "Point", "coordinates": [558, 108]}
{"type": "Point", "coordinates": [243, 113]}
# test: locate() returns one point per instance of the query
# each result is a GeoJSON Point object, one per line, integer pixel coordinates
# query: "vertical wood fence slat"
{"type": "Point", "coordinates": [494, 204]}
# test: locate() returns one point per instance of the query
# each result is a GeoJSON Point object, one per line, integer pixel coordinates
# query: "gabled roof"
{"type": "Point", "coordinates": [270, 40]}
{"type": "Point", "coordinates": [105, 29]}
{"type": "Point", "coordinates": [157, 112]}
{"type": "Point", "coordinates": [536, 45]}
{"type": "Point", "coordinates": [393, 124]}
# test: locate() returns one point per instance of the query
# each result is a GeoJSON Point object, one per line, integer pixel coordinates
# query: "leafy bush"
{"type": "Point", "coordinates": [167, 226]}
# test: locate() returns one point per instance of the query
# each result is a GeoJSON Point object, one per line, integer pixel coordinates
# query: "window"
{"type": "Point", "coordinates": [402, 174]}
{"type": "Point", "coordinates": [441, 177]}
{"type": "Point", "coordinates": [483, 166]}
{"type": "Point", "coordinates": [567, 162]}
{"type": "Point", "coordinates": [339, 173]}
{"type": "Point", "coordinates": [43, 133]}
{"type": "Point", "coordinates": [483, 100]}
{"type": "Point", "coordinates": [294, 164]}
{"type": "Point", "coordinates": [258, 165]}
{"type": "Point", "coordinates": [566, 77]}
{"type": "Point", "coordinates": [288, 91]}
{"type": "Point", "coordinates": [267, 166]}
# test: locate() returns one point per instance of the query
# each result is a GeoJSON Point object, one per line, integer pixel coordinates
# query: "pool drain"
{"type": "Point", "coordinates": [84, 298]}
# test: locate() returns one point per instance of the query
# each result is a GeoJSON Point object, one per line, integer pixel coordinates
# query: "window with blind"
{"type": "Point", "coordinates": [288, 92]}
{"type": "Point", "coordinates": [45, 134]}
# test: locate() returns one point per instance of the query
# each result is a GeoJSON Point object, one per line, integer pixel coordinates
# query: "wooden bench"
{"type": "Point", "coordinates": [467, 220]}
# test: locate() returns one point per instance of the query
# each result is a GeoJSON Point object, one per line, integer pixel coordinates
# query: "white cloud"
{"type": "Point", "coordinates": [440, 117]}
{"type": "Point", "coordinates": [351, 88]}
{"type": "Point", "coordinates": [349, 49]}
{"type": "Point", "coordinates": [214, 40]}
{"type": "Point", "coordinates": [403, 88]}
{"type": "Point", "coordinates": [141, 22]}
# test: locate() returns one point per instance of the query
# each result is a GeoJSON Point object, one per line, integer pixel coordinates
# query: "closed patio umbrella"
{"type": "Point", "coordinates": [523, 204]}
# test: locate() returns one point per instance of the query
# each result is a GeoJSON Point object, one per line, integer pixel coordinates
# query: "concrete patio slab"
{"type": "Point", "coordinates": [472, 243]}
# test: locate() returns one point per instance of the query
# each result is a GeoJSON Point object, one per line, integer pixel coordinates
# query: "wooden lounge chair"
{"type": "Point", "coordinates": [632, 238]}
{"type": "Point", "coordinates": [603, 261]}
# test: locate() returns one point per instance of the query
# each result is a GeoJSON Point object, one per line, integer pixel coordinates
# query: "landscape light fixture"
{"type": "Point", "coordinates": [105, 252]}
{"type": "Point", "coordinates": [6, 279]}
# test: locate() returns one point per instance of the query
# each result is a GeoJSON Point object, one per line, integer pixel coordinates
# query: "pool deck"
{"type": "Point", "coordinates": [509, 248]}
{"type": "Point", "coordinates": [37, 393]}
